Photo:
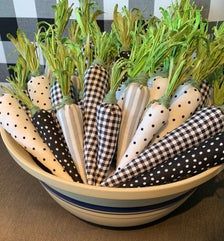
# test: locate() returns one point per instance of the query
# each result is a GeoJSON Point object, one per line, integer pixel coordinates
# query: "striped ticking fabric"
{"type": "Point", "coordinates": [26, 14]}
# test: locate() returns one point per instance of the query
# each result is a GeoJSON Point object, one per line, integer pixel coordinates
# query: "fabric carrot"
{"type": "Point", "coordinates": [108, 124]}
{"type": "Point", "coordinates": [188, 98]}
{"type": "Point", "coordinates": [207, 154]}
{"type": "Point", "coordinates": [194, 161]}
{"type": "Point", "coordinates": [95, 88]}
{"type": "Point", "coordinates": [17, 123]}
{"type": "Point", "coordinates": [38, 86]}
{"type": "Point", "coordinates": [47, 128]}
{"type": "Point", "coordinates": [157, 113]}
{"type": "Point", "coordinates": [205, 123]}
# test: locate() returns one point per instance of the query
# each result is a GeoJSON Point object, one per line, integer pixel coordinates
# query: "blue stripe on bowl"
{"type": "Point", "coordinates": [115, 210]}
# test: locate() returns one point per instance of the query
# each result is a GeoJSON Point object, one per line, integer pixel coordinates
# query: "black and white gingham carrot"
{"type": "Point", "coordinates": [207, 154]}
{"type": "Point", "coordinates": [17, 123]}
{"type": "Point", "coordinates": [108, 124]}
{"type": "Point", "coordinates": [203, 124]}
{"type": "Point", "coordinates": [96, 84]}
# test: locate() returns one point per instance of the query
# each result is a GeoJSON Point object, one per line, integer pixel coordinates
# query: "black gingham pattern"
{"type": "Point", "coordinates": [205, 91]}
{"type": "Point", "coordinates": [108, 125]}
{"type": "Point", "coordinates": [207, 154]}
{"type": "Point", "coordinates": [57, 96]}
{"type": "Point", "coordinates": [203, 124]}
{"type": "Point", "coordinates": [14, 15]}
{"type": "Point", "coordinates": [95, 89]}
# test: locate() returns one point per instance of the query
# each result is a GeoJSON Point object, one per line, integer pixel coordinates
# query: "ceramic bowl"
{"type": "Point", "coordinates": [115, 207]}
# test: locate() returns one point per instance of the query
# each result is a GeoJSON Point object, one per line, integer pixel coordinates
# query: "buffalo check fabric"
{"type": "Point", "coordinates": [207, 154]}
{"type": "Point", "coordinates": [26, 14]}
{"type": "Point", "coordinates": [108, 126]}
{"type": "Point", "coordinates": [202, 125]}
{"type": "Point", "coordinates": [57, 96]}
{"type": "Point", "coordinates": [95, 88]}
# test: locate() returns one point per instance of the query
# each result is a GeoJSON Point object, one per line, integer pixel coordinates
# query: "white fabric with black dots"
{"type": "Point", "coordinates": [157, 87]}
{"type": "Point", "coordinates": [203, 124]}
{"type": "Point", "coordinates": [16, 122]}
{"type": "Point", "coordinates": [196, 160]}
{"type": "Point", "coordinates": [154, 118]}
{"type": "Point", "coordinates": [39, 92]}
{"type": "Point", "coordinates": [184, 104]}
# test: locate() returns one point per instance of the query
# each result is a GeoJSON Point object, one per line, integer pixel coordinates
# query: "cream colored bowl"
{"type": "Point", "coordinates": [114, 207]}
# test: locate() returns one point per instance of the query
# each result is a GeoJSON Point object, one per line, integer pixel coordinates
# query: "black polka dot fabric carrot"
{"type": "Point", "coordinates": [95, 88]}
{"type": "Point", "coordinates": [156, 114]}
{"type": "Point", "coordinates": [46, 126]}
{"type": "Point", "coordinates": [38, 88]}
{"type": "Point", "coordinates": [68, 114]}
{"type": "Point", "coordinates": [17, 123]}
{"type": "Point", "coordinates": [108, 124]}
{"type": "Point", "coordinates": [207, 154]}
{"type": "Point", "coordinates": [188, 97]}
{"type": "Point", "coordinates": [203, 124]}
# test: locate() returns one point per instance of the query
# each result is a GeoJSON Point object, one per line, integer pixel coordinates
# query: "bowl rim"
{"type": "Point", "coordinates": [175, 188]}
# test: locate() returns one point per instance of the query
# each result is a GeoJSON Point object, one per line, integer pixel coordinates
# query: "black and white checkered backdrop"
{"type": "Point", "coordinates": [25, 14]}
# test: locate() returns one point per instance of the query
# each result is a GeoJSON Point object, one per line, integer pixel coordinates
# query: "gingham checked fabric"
{"type": "Point", "coordinates": [207, 154]}
{"type": "Point", "coordinates": [25, 14]}
{"type": "Point", "coordinates": [108, 125]}
{"type": "Point", "coordinates": [202, 125]}
{"type": "Point", "coordinates": [95, 88]}
{"type": "Point", "coordinates": [205, 90]}
{"type": "Point", "coordinates": [57, 96]}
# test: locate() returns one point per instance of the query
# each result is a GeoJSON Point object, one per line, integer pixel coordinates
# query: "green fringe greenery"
{"type": "Point", "coordinates": [218, 86]}
{"type": "Point", "coordinates": [86, 18]}
{"type": "Point", "coordinates": [62, 14]}
{"type": "Point", "coordinates": [118, 71]}
{"type": "Point", "coordinates": [104, 47]}
{"type": "Point", "coordinates": [21, 73]}
{"type": "Point", "coordinates": [126, 23]}
{"type": "Point", "coordinates": [27, 50]}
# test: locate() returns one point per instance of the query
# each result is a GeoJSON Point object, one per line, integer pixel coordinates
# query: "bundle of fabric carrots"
{"type": "Point", "coordinates": [138, 106]}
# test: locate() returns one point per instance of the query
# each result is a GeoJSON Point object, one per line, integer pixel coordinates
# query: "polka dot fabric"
{"type": "Point", "coordinates": [157, 87]}
{"type": "Point", "coordinates": [153, 119]}
{"type": "Point", "coordinates": [47, 128]}
{"type": "Point", "coordinates": [203, 124]}
{"type": "Point", "coordinates": [108, 125]}
{"type": "Point", "coordinates": [17, 123]}
{"type": "Point", "coordinates": [189, 163]}
{"type": "Point", "coordinates": [183, 104]}
{"type": "Point", "coordinates": [39, 92]}
{"type": "Point", "coordinates": [95, 88]}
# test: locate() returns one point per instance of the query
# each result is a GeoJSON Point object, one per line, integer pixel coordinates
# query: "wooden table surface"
{"type": "Point", "coordinates": [27, 213]}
